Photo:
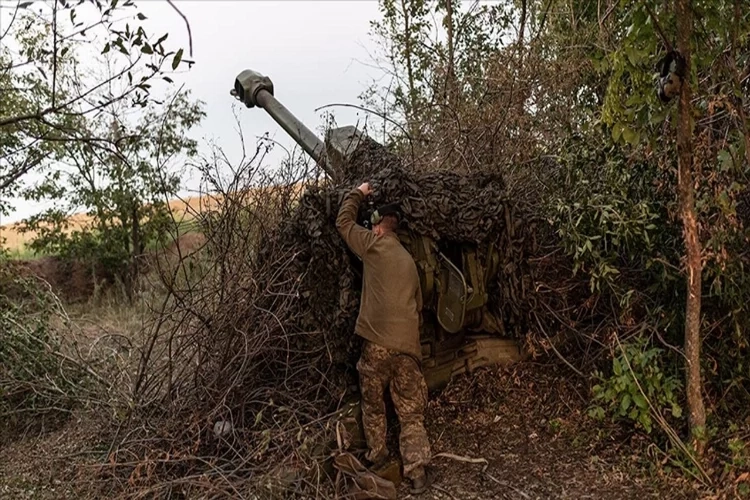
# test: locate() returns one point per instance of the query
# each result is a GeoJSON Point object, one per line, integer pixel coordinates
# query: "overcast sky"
{"type": "Point", "coordinates": [315, 52]}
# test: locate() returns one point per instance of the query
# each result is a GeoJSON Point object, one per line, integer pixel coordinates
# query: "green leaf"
{"type": "Point", "coordinates": [640, 401]}
{"type": "Point", "coordinates": [177, 59]}
{"type": "Point", "coordinates": [146, 49]}
{"type": "Point", "coordinates": [141, 16]}
{"type": "Point", "coordinates": [629, 135]}
{"type": "Point", "coordinates": [658, 116]}
{"type": "Point", "coordinates": [645, 421]}
{"type": "Point", "coordinates": [725, 160]}
{"type": "Point", "coordinates": [617, 131]}
{"type": "Point", "coordinates": [625, 404]}
{"type": "Point", "coordinates": [616, 367]}
{"type": "Point", "coordinates": [676, 411]}
{"type": "Point", "coordinates": [106, 48]}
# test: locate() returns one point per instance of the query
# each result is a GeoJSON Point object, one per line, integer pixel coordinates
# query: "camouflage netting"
{"type": "Point", "coordinates": [445, 205]}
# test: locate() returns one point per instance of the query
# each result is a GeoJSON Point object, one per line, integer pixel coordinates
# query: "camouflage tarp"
{"type": "Point", "coordinates": [445, 205]}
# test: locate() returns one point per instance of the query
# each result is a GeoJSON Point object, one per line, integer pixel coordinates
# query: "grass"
{"type": "Point", "coordinates": [183, 211]}
{"type": "Point", "coordinates": [16, 242]}
{"type": "Point", "coordinates": [22, 253]}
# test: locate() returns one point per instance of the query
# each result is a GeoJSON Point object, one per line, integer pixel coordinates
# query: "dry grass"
{"type": "Point", "coordinates": [14, 240]}
{"type": "Point", "coordinates": [183, 210]}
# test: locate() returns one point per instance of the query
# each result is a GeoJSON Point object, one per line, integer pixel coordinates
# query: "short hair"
{"type": "Point", "coordinates": [390, 222]}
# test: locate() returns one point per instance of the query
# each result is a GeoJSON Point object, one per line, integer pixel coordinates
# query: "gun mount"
{"type": "Point", "coordinates": [459, 331]}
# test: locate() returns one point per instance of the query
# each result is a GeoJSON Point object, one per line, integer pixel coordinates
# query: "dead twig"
{"type": "Point", "coordinates": [506, 485]}
{"type": "Point", "coordinates": [460, 458]}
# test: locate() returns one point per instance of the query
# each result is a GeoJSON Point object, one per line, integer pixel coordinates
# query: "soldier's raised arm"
{"type": "Point", "coordinates": [357, 237]}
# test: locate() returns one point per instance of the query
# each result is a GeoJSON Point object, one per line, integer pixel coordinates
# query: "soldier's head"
{"type": "Point", "coordinates": [385, 219]}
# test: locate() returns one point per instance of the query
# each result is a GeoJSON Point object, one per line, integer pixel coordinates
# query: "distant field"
{"type": "Point", "coordinates": [183, 210]}
{"type": "Point", "coordinates": [16, 242]}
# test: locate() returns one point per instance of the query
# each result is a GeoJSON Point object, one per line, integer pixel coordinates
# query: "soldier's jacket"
{"type": "Point", "coordinates": [391, 301]}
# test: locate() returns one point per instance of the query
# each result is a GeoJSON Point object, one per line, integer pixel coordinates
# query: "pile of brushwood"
{"type": "Point", "coordinates": [253, 351]}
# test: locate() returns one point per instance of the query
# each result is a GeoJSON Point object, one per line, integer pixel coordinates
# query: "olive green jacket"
{"type": "Point", "coordinates": [391, 304]}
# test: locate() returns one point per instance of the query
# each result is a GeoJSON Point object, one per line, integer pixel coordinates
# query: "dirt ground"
{"type": "Point", "coordinates": [518, 433]}
{"type": "Point", "coordinates": [48, 465]}
{"type": "Point", "coordinates": [528, 426]}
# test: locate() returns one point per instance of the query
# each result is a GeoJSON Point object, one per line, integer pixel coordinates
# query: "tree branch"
{"type": "Point", "coordinates": [384, 117]}
{"type": "Point", "coordinates": [54, 52]}
{"type": "Point", "coordinates": [8, 179]}
{"type": "Point", "coordinates": [190, 35]}
{"type": "Point", "coordinates": [56, 109]}
{"type": "Point", "coordinates": [658, 27]}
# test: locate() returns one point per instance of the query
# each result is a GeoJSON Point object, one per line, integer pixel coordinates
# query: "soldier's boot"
{"type": "Point", "coordinates": [420, 481]}
{"type": "Point", "coordinates": [379, 460]}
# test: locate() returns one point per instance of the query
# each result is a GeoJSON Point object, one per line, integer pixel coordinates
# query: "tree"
{"type": "Point", "coordinates": [694, 386]}
{"type": "Point", "coordinates": [124, 190]}
{"type": "Point", "coordinates": [404, 32]}
{"type": "Point", "coordinates": [50, 82]}
{"type": "Point", "coordinates": [434, 70]}
{"type": "Point", "coordinates": [709, 113]}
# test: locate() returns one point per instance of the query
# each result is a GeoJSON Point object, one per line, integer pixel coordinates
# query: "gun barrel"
{"type": "Point", "coordinates": [294, 127]}
{"type": "Point", "coordinates": [254, 89]}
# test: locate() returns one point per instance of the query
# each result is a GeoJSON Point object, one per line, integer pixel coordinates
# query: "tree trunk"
{"type": "Point", "coordinates": [447, 135]}
{"type": "Point", "coordinates": [694, 386]}
{"type": "Point", "coordinates": [412, 100]}
{"type": "Point", "coordinates": [736, 74]}
{"type": "Point", "coordinates": [136, 251]}
{"type": "Point", "coordinates": [450, 76]}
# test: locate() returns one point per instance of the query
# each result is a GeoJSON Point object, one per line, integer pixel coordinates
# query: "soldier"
{"type": "Point", "coordinates": [389, 320]}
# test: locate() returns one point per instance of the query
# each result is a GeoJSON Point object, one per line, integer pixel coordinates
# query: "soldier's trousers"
{"type": "Point", "coordinates": [379, 368]}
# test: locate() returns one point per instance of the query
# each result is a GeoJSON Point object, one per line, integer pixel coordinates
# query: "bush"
{"type": "Point", "coordinates": [613, 219]}
{"type": "Point", "coordinates": [36, 379]}
{"type": "Point", "coordinates": [641, 383]}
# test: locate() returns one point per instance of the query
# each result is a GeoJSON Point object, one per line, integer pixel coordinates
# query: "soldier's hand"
{"type": "Point", "coordinates": [365, 188]}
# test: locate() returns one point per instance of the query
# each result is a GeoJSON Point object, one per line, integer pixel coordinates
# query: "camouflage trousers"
{"type": "Point", "coordinates": [379, 368]}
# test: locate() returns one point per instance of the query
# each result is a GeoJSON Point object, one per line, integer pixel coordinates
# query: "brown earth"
{"type": "Point", "coordinates": [527, 422]}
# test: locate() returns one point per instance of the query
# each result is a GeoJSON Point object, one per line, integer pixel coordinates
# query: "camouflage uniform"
{"type": "Point", "coordinates": [378, 368]}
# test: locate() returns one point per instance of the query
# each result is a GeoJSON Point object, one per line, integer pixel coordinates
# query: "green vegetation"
{"type": "Point", "coordinates": [648, 199]}
{"type": "Point", "coordinates": [125, 192]}
{"type": "Point", "coordinates": [37, 379]}
{"type": "Point", "coordinates": [76, 131]}
{"type": "Point", "coordinates": [639, 207]}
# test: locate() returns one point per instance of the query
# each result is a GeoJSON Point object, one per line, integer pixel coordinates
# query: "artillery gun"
{"type": "Point", "coordinates": [459, 332]}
